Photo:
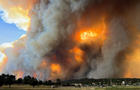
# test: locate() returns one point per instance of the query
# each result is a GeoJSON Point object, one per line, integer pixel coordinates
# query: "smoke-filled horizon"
{"type": "Point", "coordinates": [70, 39]}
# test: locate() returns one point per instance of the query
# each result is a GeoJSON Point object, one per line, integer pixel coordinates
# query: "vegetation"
{"type": "Point", "coordinates": [100, 84]}
{"type": "Point", "coordinates": [44, 87]}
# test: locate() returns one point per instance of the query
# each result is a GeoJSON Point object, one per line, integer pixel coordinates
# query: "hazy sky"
{"type": "Point", "coordinates": [9, 32]}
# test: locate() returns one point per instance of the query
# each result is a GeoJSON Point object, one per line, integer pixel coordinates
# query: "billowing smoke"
{"type": "Point", "coordinates": [69, 39]}
{"type": "Point", "coordinates": [17, 11]}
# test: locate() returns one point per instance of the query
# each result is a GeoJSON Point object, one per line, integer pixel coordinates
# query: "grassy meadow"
{"type": "Point", "coordinates": [27, 87]}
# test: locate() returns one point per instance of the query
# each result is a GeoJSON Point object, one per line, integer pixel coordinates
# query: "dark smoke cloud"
{"type": "Point", "coordinates": [50, 38]}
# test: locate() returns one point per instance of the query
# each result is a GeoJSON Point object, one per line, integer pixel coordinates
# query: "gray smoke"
{"type": "Point", "coordinates": [53, 26]}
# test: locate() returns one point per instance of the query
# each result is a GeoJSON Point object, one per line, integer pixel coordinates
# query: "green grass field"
{"type": "Point", "coordinates": [26, 87]}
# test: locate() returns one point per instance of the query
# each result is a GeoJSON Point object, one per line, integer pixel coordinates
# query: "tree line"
{"type": "Point", "coordinates": [6, 79]}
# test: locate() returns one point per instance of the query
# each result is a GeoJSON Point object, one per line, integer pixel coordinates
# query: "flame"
{"type": "Point", "coordinates": [133, 61]}
{"type": "Point", "coordinates": [78, 54]}
{"type": "Point", "coordinates": [56, 70]}
{"type": "Point", "coordinates": [93, 33]}
{"type": "Point", "coordinates": [19, 74]}
{"type": "Point", "coordinates": [87, 35]}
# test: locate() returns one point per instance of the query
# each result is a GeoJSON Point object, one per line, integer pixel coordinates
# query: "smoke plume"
{"type": "Point", "coordinates": [69, 39]}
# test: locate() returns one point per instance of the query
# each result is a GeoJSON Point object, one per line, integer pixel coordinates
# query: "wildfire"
{"type": "Point", "coordinates": [91, 33]}
{"type": "Point", "coordinates": [133, 61]}
{"type": "Point", "coordinates": [78, 54]}
{"type": "Point", "coordinates": [55, 70]}
{"type": "Point", "coordinates": [19, 74]}
{"type": "Point", "coordinates": [87, 35]}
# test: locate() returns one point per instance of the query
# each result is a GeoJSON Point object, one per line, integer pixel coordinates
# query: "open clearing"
{"type": "Point", "coordinates": [27, 87]}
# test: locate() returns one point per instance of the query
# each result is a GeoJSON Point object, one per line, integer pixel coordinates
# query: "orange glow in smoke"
{"type": "Point", "coordinates": [19, 74]}
{"type": "Point", "coordinates": [127, 75]}
{"type": "Point", "coordinates": [78, 54]}
{"type": "Point", "coordinates": [95, 33]}
{"type": "Point", "coordinates": [133, 61]}
{"type": "Point", "coordinates": [55, 70]}
{"type": "Point", "coordinates": [43, 64]}
{"type": "Point", "coordinates": [87, 35]}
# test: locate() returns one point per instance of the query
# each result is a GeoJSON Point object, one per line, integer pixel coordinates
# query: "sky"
{"type": "Point", "coordinates": [9, 32]}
